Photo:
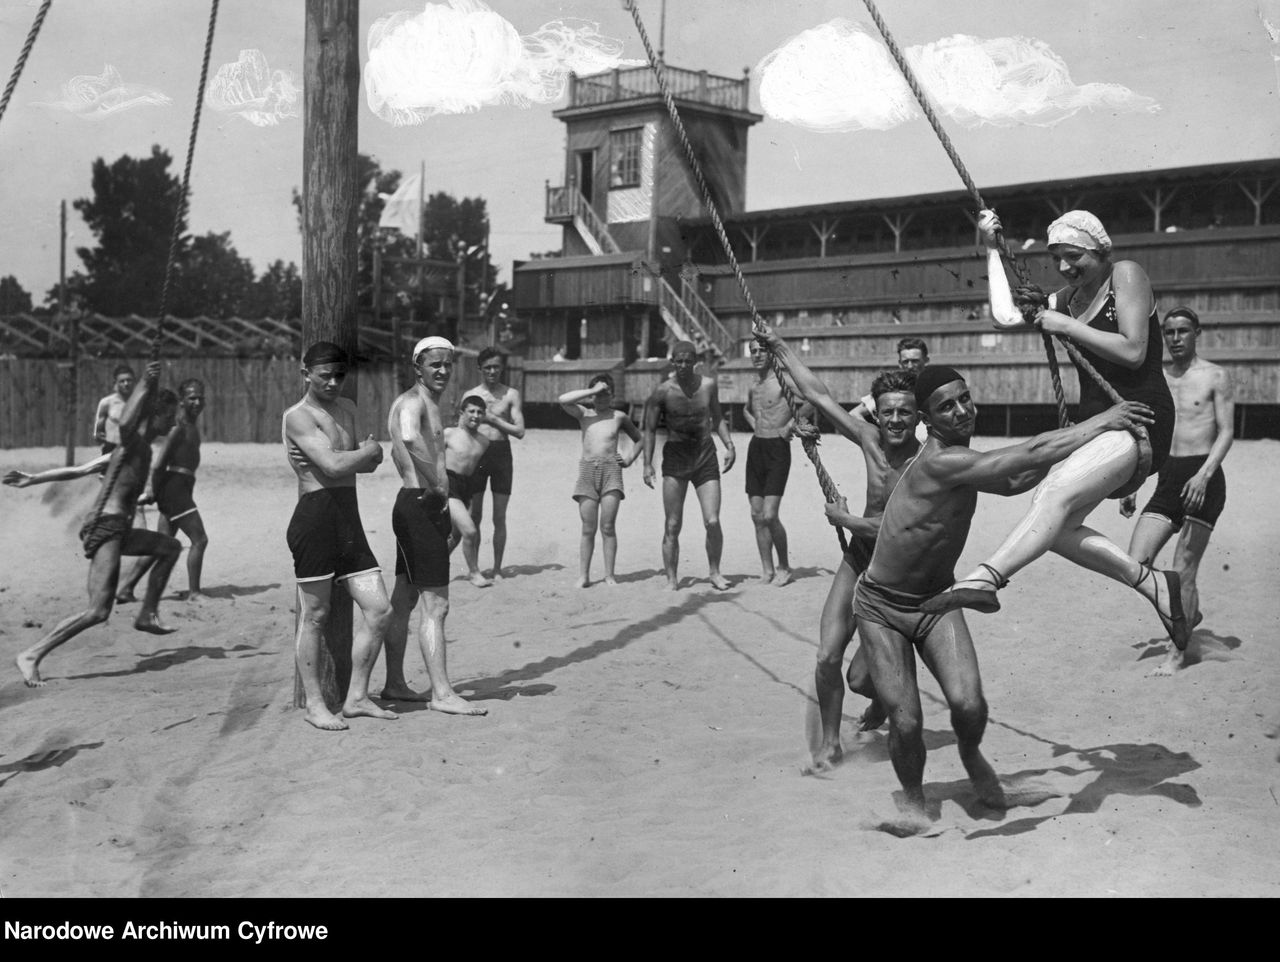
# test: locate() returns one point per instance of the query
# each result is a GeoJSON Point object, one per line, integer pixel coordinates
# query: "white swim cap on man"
{"type": "Point", "coordinates": [433, 343]}
{"type": "Point", "coordinates": [1080, 229]}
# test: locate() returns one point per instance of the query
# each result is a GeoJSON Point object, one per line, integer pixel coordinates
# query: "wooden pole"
{"type": "Point", "coordinates": [73, 339]}
{"type": "Point", "coordinates": [330, 209]}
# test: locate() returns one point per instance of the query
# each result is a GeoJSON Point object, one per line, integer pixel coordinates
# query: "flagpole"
{"type": "Point", "coordinates": [417, 251]}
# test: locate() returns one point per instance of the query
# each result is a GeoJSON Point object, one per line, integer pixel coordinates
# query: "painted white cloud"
{"type": "Point", "coordinates": [252, 90]}
{"type": "Point", "coordinates": [95, 98]}
{"type": "Point", "coordinates": [462, 56]}
{"type": "Point", "coordinates": [839, 77]}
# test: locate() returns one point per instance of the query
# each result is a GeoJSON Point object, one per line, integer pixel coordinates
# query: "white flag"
{"type": "Point", "coordinates": [402, 211]}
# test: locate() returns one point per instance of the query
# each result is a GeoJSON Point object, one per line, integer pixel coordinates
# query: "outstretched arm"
{"type": "Point", "coordinates": [21, 479]}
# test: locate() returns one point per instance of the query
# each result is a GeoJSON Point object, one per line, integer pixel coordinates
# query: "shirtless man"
{"type": "Point", "coordinates": [768, 464]}
{"type": "Point", "coordinates": [464, 449]}
{"type": "Point", "coordinates": [599, 491]}
{"type": "Point", "coordinates": [108, 532]}
{"type": "Point", "coordinates": [420, 520]}
{"type": "Point", "coordinates": [325, 534]}
{"type": "Point", "coordinates": [1191, 490]}
{"type": "Point", "coordinates": [922, 533]}
{"type": "Point", "coordinates": [506, 421]}
{"type": "Point", "coordinates": [691, 404]}
{"type": "Point", "coordinates": [171, 485]}
{"type": "Point", "coordinates": [887, 449]}
{"type": "Point", "coordinates": [106, 421]}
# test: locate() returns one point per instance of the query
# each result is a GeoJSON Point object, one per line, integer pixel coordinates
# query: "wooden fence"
{"type": "Point", "coordinates": [246, 396]}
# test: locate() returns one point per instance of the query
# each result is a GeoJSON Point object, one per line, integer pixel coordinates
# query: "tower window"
{"type": "Point", "coordinates": [624, 158]}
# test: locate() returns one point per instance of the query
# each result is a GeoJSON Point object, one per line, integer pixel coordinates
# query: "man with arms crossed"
{"type": "Point", "coordinates": [325, 534]}
{"type": "Point", "coordinates": [506, 421]}
{"type": "Point", "coordinates": [768, 465]}
{"type": "Point", "coordinates": [108, 532]}
{"type": "Point", "coordinates": [922, 532]}
{"type": "Point", "coordinates": [887, 448]}
{"type": "Point", "coordinates": [420, 520]}
{"type": "Point", "coordinates": [1192, 490]}
{"type": "Point", "coordinates": [691, 404]}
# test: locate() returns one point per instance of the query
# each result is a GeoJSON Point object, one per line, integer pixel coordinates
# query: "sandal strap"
{"type": "Point", "coordinates": [998, 579]}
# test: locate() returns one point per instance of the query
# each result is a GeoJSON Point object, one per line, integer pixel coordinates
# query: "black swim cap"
{"type": "Point", "coordinates": [930, 379]}
{"type": "Point", "coordinates": [324, 352]}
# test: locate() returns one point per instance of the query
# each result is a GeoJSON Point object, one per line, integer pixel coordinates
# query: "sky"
{"type": "Point", "coordinates": [1211, 68]}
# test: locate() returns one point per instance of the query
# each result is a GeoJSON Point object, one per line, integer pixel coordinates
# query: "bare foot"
{"type": "Point", "coordinates": [766, 578]}
{"type": "Point", "coordinates": [582, 582]}
{"type": "Point", "coordinates": [479, 580]}
{"type": "Point", "coordinates": [149, 621]}
{"type": "Point", "coordinates": [1172, 664]}
{"type": "Point", "coordinates": [453, 704]}
{"type": "Point", "coordinates": [193, 596]}
{"type": "Point", "coordinates": [783, 577]}
{"type": "Point", "coordinates": [610, 580]}
{"type": "Point", "coordinates": [673, 584]}
{"type": "Point", "coordinates": [498, 575]}
{"type": "Point", "coordinates": [125, 598]}
{"type": "Point", "coordinates": [911, 821]}
{"type": "Point", "coordinates": [826, 759]}
{"type": "Point", "coordinates": [29, 665]}
{"type": "Point", "coordinates": [719, 581]}
{"type": "Point", "coordinates": [403, 693]}
{"type": "Point", "coordinates": [367, 709]}
{"type": "Point", "coordinates": [324, 719]}
{"type": "Point", "coordinates": [872, 717]}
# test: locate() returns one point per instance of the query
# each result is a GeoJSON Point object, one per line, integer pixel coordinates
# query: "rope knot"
{"type": "Point", "coordinates": [1030, 299]}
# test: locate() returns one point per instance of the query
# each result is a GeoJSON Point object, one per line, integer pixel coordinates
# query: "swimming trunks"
{"type": "Point", "coordinates": [768, 464]}
{"type": "Point", "coordinates": [462, 486]}
{"type": "Point", "coordinates": [1145, 384]}
{"type": "Point", "coordinates": [326, 537]}
{"type": "Point", "coordinates": [896, 610]}
{"type": "Point", "coordinates": [105, 528]}
{"type": "Point", "coordinates": [495, 469]}
{"type": "Point", "coordinates": [420, 522]}
{"type": "Point", "coordinates": [175, 497]}
{"type": "Point", "coordinates": [1166, 503]}
{"type": "Point", "coordinates": [859, 553]}
{"type": "Point", "coordinates": [692, 461]}
{"type": "Point", "coordinates": [597, 477]}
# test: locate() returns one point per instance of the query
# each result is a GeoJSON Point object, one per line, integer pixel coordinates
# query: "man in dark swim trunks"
{"type": "Point", "coordinates": [326, 537]}
{"type": "Point", "coordinates": [691, 405]}
{"type": "Point", "coordinates": [464, 451]}
{"type": "Point", "coordinates": [108, 533]}
{"type": "Point", "coordinates": [420, 520]}
{"type": "Point", "coordinates": [922, 533]}
{"type": "Point", "coordinates": [1192, 489]}
{"type": "Point", "coordinates": [496, 468]}
{"type": "Point", "coordinates": [171, 486]}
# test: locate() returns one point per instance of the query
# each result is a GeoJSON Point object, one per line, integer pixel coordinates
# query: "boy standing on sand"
{"type": "Point", "coordinates": [108, 532]}
{"type": "Point", "coordinates": [506, 421]}
{"type": "Point", "coordinates": [325, 534]}
{"type": "Point", "coordinates": [420, 520]}
{"type": "Point", "coordinates": [464, 448]}
{"type": "Point", "coordinates": [599, 491]}
{"type": "Point", "coordinates": [171, 486]}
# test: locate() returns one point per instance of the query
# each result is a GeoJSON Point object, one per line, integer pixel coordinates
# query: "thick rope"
{"type": "Point", "coordinates": [114, 467]}
{"type": "Point", "coordinates": [810, 445]}
{"type": "Point", "coordinates": [1081, 362]}
{"type": "Point", "coordinates": [22, 57]}
{"type": "Point", "coordinates": [180, 214]}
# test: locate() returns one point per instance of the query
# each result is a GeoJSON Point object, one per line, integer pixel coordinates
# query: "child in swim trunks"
{"type": "Point", "coordinates": [599, 491]}
{"type": "Point", "coordinates": [464, 446]}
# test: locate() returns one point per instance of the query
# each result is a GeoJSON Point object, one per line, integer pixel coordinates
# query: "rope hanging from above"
{"type": "Point", "coordinates": [810, 444]}
{"type": "Point", "coordinates": [1019, 269]}
{"type": "Point", "coordinates": [22, 56]}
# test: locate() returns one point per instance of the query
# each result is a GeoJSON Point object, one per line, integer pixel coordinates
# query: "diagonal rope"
{"type": "Point", "coordinates": [116, 464]}
{"type": "Point", "coordinates": [22, 57]}
{"type": "Point", "coordinates": [810, 445]}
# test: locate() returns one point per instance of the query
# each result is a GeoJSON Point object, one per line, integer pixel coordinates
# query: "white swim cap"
{"type": "Point", "coordinates": [433, 343]}
{"type": "Point", "coordinates": [1080, 229]}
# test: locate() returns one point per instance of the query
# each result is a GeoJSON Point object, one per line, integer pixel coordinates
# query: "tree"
{"type": "Point", "coordinates": [131, 214]}
{"type": "Point", "coordinates": [212, 279]}
{"type": "Point", "coordinates": [13, 299]}
{"type": "Point", "coordinates": [278, 292]}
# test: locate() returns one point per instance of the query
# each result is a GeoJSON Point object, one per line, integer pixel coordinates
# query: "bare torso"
{"type": "Point", "coordinates": [184, 448]}
{"type": "Point", "coordinates": [463, 450]}
{"type": "Point", "coordinates": [336, 425]}
{"type": "Point", "coordinates": [600, 432]}
{"type": "Point", "coordinates": [688, 413]}
{"type": "Point", "coordinates": [415, 413]}
{"type": "Point", "coordinates": [1196, 427]}
{"type": "Point", "coordinates": [501, 401]}
{"type": "Point", "coordinates": [924, 528]}
{"type": "Point", "coordinates": [129, 465]}
{"type": "Point", "coordinates": [769, 408]}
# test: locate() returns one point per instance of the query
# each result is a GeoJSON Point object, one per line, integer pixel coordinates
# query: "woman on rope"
{"type": "Point", "coordinates": [1109, 311]}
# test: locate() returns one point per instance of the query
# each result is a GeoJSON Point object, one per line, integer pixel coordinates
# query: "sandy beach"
{"type": "Point", "coordinates": [638, 742]}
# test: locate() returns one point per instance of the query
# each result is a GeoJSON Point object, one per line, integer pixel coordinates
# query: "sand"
{"type": "Point", "coordinates": [638, 743]}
